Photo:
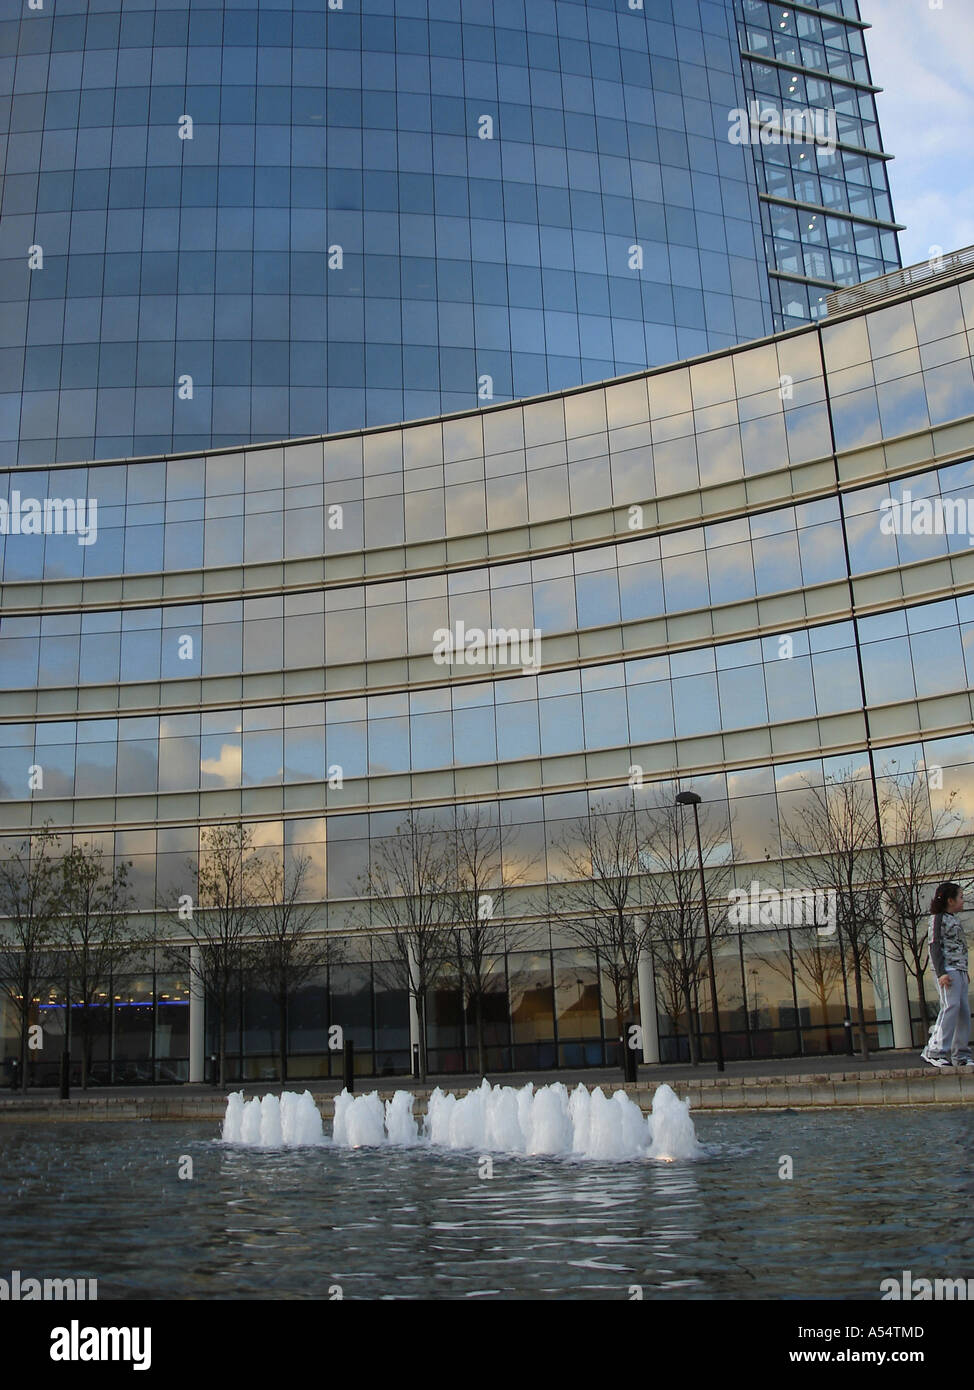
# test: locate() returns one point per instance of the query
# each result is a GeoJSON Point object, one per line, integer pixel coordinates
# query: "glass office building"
{"type": "Point", "coordinates": [226, 224]}
{"type": "Point", "coordinates": [221, 648]}
{"type": "Point", "coordinates": [239, 248]}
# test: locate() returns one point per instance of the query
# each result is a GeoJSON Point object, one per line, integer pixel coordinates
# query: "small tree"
{"type": "Point", "coordinates": [600, 905]}
{"type": "Point", "coordinates": [30, 900]}
{"type": "Point", "coordinates": [216, 918]}
{"type": "Point", "coordinates": [833, 838]}
{"type": "Point", "coordinates": [480, 932]}
{"type": "Point", "coordinates": [410, 884]}
{"type": "Point", "coordinates": [287, 952]}
{"type": "Point", "coordinates": [921, 847]}
{"type": "Point", "coordinates": [674, 915]}
{"type": "Point", "coordinates": [94, 939]}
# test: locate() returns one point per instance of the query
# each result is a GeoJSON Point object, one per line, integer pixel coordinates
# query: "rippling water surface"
{"type": "Point", "coordinates": [873, 1193]}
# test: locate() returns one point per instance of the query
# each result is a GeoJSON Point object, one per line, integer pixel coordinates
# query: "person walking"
{"type": "Point", "coordinates": [949, 1041]}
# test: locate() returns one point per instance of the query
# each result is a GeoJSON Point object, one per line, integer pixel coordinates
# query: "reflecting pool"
{"type": "Point", "coordinates": [872, 1192]}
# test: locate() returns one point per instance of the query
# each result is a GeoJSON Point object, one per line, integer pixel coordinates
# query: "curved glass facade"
{"type": "Point", "coordinates": [704, 569]}
{"type": "Point", "coordinates": [242, 244]}
{"type": "Point", "coordinates": [230, 224]}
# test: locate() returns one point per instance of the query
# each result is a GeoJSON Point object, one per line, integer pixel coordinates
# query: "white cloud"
{"type": "Point", "coordinates": [922, 58]}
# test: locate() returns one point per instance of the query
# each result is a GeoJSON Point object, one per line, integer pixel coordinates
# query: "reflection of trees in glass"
{"type": "Point", "coordinates": [599, 907]}
{"type": "Point", "coordinates": [96, 937]}
{"type": "Point", "coordinates": [833, 843]}
{"type": "Point", "coordinates": [30, 899]}
{"type": "Point", "coordinates": [286, 952]}
{"type": "Point", "coordinates": [227, 880]}
{"type": "Point", "coordinates": [576, 993]}
{"type": "Point", "coordinates": [480, 933]}
{"type": "Point", "coordinates": [409, 882]}
{"type": "Point", "coordinates": [674, 907]}
{"type": "Point", "coordinates": [801, 956]}
{"type": "Point", "coordinates": [530, 993]}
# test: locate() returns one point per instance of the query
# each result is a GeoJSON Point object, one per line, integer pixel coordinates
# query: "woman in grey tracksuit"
{"type": "Point", "coordinates": [949, 1042]}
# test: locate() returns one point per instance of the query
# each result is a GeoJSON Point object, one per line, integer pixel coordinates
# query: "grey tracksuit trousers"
{"type": "Point", "coordinates": [950, 1035]}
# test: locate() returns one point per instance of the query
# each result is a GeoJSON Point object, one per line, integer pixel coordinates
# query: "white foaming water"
{"type": "Point", "coordinates": [288, 1122]}
{"type": "Point", "coordinates": [359, 1121]}
{"type": "Point", "coordinates": [400, 1125]}
{"type": "Point", "coordinates": [552, 1121]}
{"type": "Point", "coordinates": [672, 1128]}
{"type": "Point", "coordinates": [549, 1120]}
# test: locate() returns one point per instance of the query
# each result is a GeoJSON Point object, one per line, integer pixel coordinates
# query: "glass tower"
{"type": "Point", "coordinates": [229, 224]}
{"type": "Point", "coordinates": [825, 202]}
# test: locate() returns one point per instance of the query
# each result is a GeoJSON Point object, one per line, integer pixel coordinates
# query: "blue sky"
{"type": "Point", "coordinates": [924, 58]}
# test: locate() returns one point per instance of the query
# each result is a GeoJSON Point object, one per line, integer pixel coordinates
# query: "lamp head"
{"type": "Point", "coordinates": [688, 799]}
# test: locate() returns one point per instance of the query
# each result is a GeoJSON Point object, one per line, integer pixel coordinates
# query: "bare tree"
{"type": "Point", "coordinates": [921, 848]}
{"type": "Point", "coordinates": [94, 937]}
{"type": "Point", "coordinates": [217, 916]}
{"type": "Point", "coordinates": [834, 840]}
{"type": "Point", "coordinates": [481, 933]}
{"type": "Point", "coordinates": [286, 951]}
{"type": "Point", "coordinates": [599, 906]}
{"type": "Point", "coordinates": [409, 883]}
{"type": "Point", "coordinates": [30, 900]}
{"type": "Point", "coordinates": [674, 916]}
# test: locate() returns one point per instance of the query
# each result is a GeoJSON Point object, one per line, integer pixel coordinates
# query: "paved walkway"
{"type": "Point", "coordinates": [791, 1083]}
{"type": "Point", "coordinates": [890, 1063]}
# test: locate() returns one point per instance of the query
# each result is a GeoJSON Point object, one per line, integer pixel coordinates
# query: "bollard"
{"type": "Point", "coordinates": [349, 1073]}
{"type": "Point", "coordinates": [65, 1075]}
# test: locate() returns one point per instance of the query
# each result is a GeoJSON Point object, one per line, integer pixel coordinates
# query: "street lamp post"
{"type": "Point", "coordinates": [692, 799]}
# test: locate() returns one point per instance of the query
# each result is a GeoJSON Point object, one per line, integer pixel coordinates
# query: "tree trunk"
{"type": "Point", "coordinates": [691, 1036]}
{"type": "Point", "coordinates": [633, 1020]}
{"type": "Point", "coordinates": [860, 1007]}
{"type": "Point", "coordinates": [282, 1039]}
{"type": "Point", "coordinates": [924, 1013]}
{"type": "Point", "coordinates": [421, 1016]}
{"type": "Point", "coordinates": [697, 1024]}
{"type": "Point", "coordinates": [24, 1032]}
{"type": "Point", "coordinates": [86, 1041]}
{"type": "Point", "coordinates": [823, 999]}
{"type": "Point", "coordinates": [222, 1045]}
{"type": "Point", "coordinates": [481, 1049]}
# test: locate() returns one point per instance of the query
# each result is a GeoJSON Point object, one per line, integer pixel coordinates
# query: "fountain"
{"type": "Point", "coordinates": [271, 1123]}
{"type": "Point", "coordinates": [490, 1119]}
{"type": "Point", "coordinates": [672, 1128]}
